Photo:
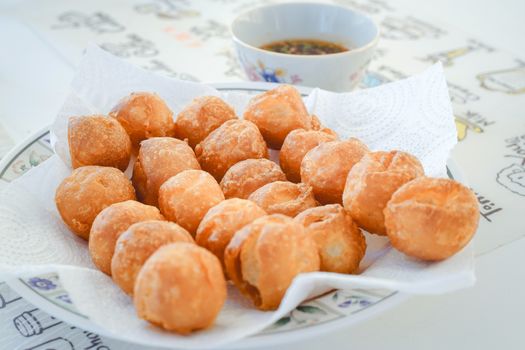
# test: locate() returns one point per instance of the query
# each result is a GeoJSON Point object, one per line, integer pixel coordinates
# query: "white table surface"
{"type": "Point", "coordinates": [34, 80]}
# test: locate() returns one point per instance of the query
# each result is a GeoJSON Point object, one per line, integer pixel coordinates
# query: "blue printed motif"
{"type": "Point", "coordinates": [42, 283]}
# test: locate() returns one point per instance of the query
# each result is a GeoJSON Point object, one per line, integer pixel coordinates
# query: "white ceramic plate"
{"type": "Point", "coordinates": [336, 309]}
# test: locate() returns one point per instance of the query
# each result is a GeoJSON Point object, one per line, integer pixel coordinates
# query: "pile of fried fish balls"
{"type": "Point", "coordinates": [205, 205]}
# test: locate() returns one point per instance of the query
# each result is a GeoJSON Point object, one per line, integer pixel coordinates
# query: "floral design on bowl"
{"type": "Point", "coordinates": [260, 72]}
{"type": "Point", "coordinates": [42, 283]}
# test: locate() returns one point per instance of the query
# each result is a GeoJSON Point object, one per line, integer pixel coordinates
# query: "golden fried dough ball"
{"type": "Point", "coordinates": [159, 159]}
{"type": "Point", "coordinates": [296, 145]}
{"type": "Point", "coordinates": [317, 126]}
{"type": "Point", "coordinates": [202, 116]}
{"type": "Point", "coordinates": [186, 197]}
{"type": "Point", "coordinates": [341, 243]}
{"type": "Point", "coordinates": [98, 140]}
{"type": "Point", "coordinates": [284, 197]}
{"type": "Point", "coordinates": [371, 183]}
{"type": "Point", "coordinates": [431, 219]}
{"type": "Point", "coordinates": [110, 223]}
{"type": "Point", "coordinates": [86, 192]}
{"type": "Point", "coordinates": [248, 175]}
{"type": "Point", "coordinates": [326, 166]}
{"type": "Point", "coordinates": [264, 257]}
{"type": "Point", "coordinates": [277, 112]}
{"type": "Point", "coordinates": [144, 115]}
{"type": "Point", "coordinates": [233, 141]}
{"type": "Point", "coordinates": [135, 245]}
{"type": "Point", "coordinates": [180, 288]}
{"type": "Point", "coordinates": [222, 221]}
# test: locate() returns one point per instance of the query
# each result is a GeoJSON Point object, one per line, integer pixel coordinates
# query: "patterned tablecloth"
{"type": "Point", "coordinates": [191, 40]}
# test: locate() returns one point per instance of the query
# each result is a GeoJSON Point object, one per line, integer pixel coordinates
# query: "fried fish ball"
{"type": "Point", "coordinates": [203, 115]}
{"type": "Point", "coordinates": [98, 140]}
{"type": "Point", "coordinates": [222, 221]}
{"type": "Point", "coordinates": [431, 219]}
{"type": "Point", "coordinates": [144, 115]}
{"type": "Point", "coordinates": [326, 166]}
{"type": "Point", "coordinates": [86, 192]}
{"type": "Point", "coordinates": [186, 197]}
{"type": "Point", "coordinates": [180, 288]}
{"type": "Point", "coordinates": [296, 145]}
{"type": "Point", "coordinates": [110, 223]}
{"type": "Point", "coordinates": [159, 159]}
{"type": "Point", "coordinates": [264, 257]}
{"type": "Point", "coordinates": [135, 245]}
{"type": "Point", "coordinates": [284, 197]}
{"type": "Point", "coordinates": [371, 183]}
{"type": "Point", "coordinates": [243, 178]}
{"type": "Point", "coordinates": [277, 112]}
{"type": "Point", "coordinates": [340, 242]}
{"type": "Point", "coordinates": [233, 141]}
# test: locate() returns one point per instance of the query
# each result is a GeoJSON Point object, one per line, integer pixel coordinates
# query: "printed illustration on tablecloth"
{"type": "Point", "coordinates": [133, 46]}
{"type": "Point", "coordinates": [512, 177]}
{"type": "Point", "coordinates": [448, 57]}
{"type": "Point", "coordinates": [409, 28]}
{"type": "Point", "coordinates": [98, 22]}
{"type": "Point", "coordinates": [509, 81]}
{"type": "Point", "coordinates": [167, 9]}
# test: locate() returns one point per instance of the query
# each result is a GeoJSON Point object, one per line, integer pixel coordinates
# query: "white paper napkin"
{"type": "Point", "coordinates": [413, 115]}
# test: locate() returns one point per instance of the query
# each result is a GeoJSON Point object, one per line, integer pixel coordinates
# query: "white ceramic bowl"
{"type": "Point", "coordinates": [336, 72]}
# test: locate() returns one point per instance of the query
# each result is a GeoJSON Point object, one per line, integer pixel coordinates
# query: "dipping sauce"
{"type": "Point", "coordinates": [304, 47]}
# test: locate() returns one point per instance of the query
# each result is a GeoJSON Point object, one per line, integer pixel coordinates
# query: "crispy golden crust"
{"type": "Point", "coordinates": [159, 159]}
{"type": "Point", "coordinates": [86, 192]}
{"type": "Point", "coordinates": [135, 245]}
{"type": "Point", "coordinates": [264, 257]}
{"type": "Point", "coordinates": [431, 219]}
{"type": "Point", "coordinates": [296, 145]}
{"type": "Point", "coordinates": [180, 288]}
{"type": "Point", "coordinates": [186, 197]}
{"type": "Point", "coordinates": [277, 112]}
{"type": "Point", "coordinates": [233, 141]}
{"type": "Point", "coordinates": [248, 175]}
{"type": "Point", "coordinates": [340, 242]}
{"type": "Point", "coordinates": [203, 115]}
{"type": "Point", "coordinates": [110, 223]}
{"type": "Point", "coordinates": [98, 140]}
{"type": "Point", "coordinates": [144, 115]}
{"type": "Point", "coordinates": [284, 197]}
{"type": "Point", "coordinates": [371, 183]}
{"type": "Point", "coordinates": [222, 221]}
{"type": "Point", "coordinates": [326, 166]}
{"type": "Point", "coordinates": [317, 126]}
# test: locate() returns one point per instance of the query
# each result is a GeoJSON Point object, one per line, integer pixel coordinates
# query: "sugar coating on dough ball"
{"type": "Point", "coordinates": [284, 197]}
{"type": "Point", "coordinates": [431, 219]}
{"type": "Point", "coordinates": [180, 288]}
{"type": "Point", "coordinates": [135, 245]}
{"type": "Point", "coordinates": [186, 197]}
{"type": "Point", "coordinates": [340, 242]}
{"type": "Point", "coordinates": [326, 166]}
{"type": "Point", "coordinates": [372, 182]}
{"type": "Point", "coordinates": [277, 112]}
{"type": "Point", "coordinates": [98, 140]}
{"type": "Point", "coordinates": [81, 196]}
{"type": "Point", "coordinates": [110, 223]}
{"type": "Point", "coordinates": [233, 141]}
{"type": "Point", "coordinates": [243, 178]}
{"type": "Point", "coordinates": [264, 257]}
{"type": "Point", "coordinates": [159, 159]}
{"type": "Point", "coordinates": [144, 115]}
{"type": "Point", "coordinates": [222, 221]}
{"type": "Point", "coordinates": [203, 115]}
{"type": "Point", "coordinates": [296, 145]}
